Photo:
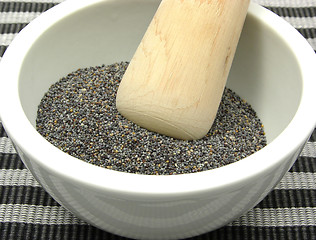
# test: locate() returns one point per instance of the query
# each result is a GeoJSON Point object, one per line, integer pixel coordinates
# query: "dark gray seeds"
{"type": "Point", "coordinates": [78, 115]}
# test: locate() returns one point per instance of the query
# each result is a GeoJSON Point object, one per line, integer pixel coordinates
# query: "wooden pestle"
{"type": "Point", "coordinates": [175, 81]}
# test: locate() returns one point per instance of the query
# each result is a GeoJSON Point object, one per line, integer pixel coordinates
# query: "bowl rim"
{"type": "Point", "coordinates": [58, 163]}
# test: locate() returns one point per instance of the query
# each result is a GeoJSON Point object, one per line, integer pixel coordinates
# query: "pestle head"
{"type": "Point", "coordinates": [176, 79]}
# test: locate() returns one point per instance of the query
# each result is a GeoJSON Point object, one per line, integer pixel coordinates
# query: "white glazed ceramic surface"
{"type": "Point", "coordinates": [273, 70]}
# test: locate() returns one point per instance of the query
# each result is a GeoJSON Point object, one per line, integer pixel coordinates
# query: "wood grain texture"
{"type": "Point", "coordinates": [176, 78]}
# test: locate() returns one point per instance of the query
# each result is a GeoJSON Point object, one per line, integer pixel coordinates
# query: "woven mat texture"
{"type": "Point", "coordinates": [28, 212]}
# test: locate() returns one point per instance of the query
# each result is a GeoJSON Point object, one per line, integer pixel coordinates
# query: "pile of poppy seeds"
{"type": "Point", "coordinates": [78, 115]}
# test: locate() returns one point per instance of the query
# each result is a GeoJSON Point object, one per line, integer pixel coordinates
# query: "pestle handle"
{"type": "Point", "coordinates": [175, 81]}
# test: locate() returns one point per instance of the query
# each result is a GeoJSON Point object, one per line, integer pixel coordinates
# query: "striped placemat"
{"type": "Point", "coordinates": [28, 212]}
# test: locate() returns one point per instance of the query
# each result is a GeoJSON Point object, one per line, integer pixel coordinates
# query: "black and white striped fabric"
{"type": "Point", "coordinates": [28, 212]}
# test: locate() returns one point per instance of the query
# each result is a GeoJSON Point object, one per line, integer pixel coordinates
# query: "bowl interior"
{"type": "Point", "coordinates": [264, 72]}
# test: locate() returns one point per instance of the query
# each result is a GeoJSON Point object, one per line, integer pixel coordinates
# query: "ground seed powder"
{"type": "Point", "coordinates": [78, 115]}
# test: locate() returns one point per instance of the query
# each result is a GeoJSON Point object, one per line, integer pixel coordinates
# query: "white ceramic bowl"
{"type": "Point", "coordinates": [273, 70]}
